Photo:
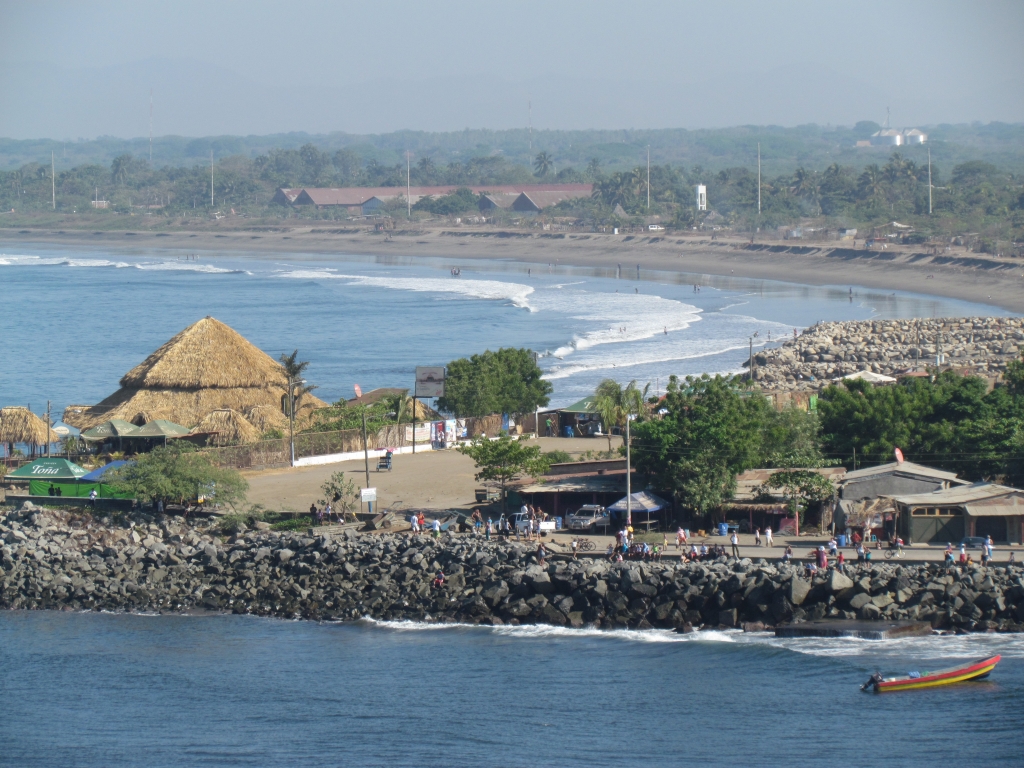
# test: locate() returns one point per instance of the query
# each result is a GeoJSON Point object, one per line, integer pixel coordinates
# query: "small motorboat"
{"type": "Point", "coordinates": [975, 670]}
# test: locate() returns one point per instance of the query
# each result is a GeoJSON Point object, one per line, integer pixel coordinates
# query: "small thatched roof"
{"type": "Point", "coordinates": [204, 355]}
{"type": "Point", "coordinates": [206, 367]}
{"type": "Point", "coordinates": [19, 425]}
{"type": "Point", "coordinates": [268, 417]}
{"type": "Point", "coordinates": [230, 427]}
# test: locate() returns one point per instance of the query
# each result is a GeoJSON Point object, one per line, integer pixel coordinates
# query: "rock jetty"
{"type": "Point", "coordinates": [830, 350]}
{"type": "Point", "coordinates": [51, 559]}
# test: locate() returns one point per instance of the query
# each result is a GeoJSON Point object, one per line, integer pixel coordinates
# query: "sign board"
{"type": "Point", "coordinates": [423, 432]}
{"type": "Point", "coordinates": [429, 381]}
{"type": "Point", "coordinates": [368, 494]}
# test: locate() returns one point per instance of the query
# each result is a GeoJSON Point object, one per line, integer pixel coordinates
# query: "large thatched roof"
{"type": "Point", "coordinates": [268, 417]}
{"type": "Point", "coordinates": [206, 367]}
{"type": "Point", "coordinates": [230, 427]}
{"type": "Point", "coordinates": [205, 355]}
{"type": "Point", "coordinates": [19, 425]}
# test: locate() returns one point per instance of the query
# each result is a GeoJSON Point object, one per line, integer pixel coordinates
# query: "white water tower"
{"type": "Point", "coordinates": [702, 197]}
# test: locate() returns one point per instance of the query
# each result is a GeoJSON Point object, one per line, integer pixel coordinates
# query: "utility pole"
{"type": "Point", "coordinates": [648, 177]}
{"type": "Point", "coordinates": [366, 452]}
{"type": "Point", "coordinates": [529, 108]}
{"type": "Point", "coordinates": [408, 185]}
{"type": "Point", "coordinates": [750, 361]}
{"type": "Point", "coordinates": [929, 181]}
{"type": "Point", "coordinates": [47, 428]}
{"type": "Point", "coordinates": [629, 487]}
{"type": "Point", "coordinates": [150, 126]}
{"type": "Point", "coordinates": [53, 183]}
{"type": "Point", "coordinates": [414, 419]}
{"type": "Point", "coordinates": [211, 181]}
{"type": "Point", "coordinates": [759, 178]}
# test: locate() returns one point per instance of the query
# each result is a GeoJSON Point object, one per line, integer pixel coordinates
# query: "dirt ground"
{"type": "Point", "coordinates": [430, 480]}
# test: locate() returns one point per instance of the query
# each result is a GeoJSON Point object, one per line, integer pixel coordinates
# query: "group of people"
{"type": "Point", "coordinates": [418, 523]}
{"type": "Point", "coordinates": [324, 515]}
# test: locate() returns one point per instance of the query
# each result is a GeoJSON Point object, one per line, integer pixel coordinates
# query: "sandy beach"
{"type": "Point", "coordinates": [955, 274]}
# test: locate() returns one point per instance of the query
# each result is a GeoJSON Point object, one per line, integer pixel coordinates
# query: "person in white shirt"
{"type": "Point", "coordinates": [768, 540]}
{"type": "Point", "coordinates": [415, 523]}
{"type": "Point", "coordinates": [735, 544]}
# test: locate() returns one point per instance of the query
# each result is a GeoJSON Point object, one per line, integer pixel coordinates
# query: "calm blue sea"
{"type": "Point", "coordinates": [101, 690]}
{"type": "Point", "coordinates": [73, 321]}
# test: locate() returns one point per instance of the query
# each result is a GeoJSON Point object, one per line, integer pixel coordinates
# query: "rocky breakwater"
{"type": "Point", "coordinates": [829, 350]}
{"type": "Point", "coordinates": [50, 560]}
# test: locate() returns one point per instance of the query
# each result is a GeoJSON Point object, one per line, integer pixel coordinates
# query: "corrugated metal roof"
{"type": "Point", "coordinates": [538, 200]}
{"type": "Point", "coordinates": [996, 510]}
{"type": "Point", "coordinates": [580, 484]}
{"type": "Point", "coordinates": [908, 468]}
{"type": "Point", "coordinates": [963, 494]}
{"type": "Point", "coordinates": [748, 482]}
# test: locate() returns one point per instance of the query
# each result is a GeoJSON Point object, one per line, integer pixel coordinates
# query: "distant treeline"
{"type": "Point", "coordinates": [783, 150]}
{"type": "Point", "coordinates": [976, 197]}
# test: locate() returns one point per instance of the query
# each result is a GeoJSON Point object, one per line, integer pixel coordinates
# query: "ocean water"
{"type": "Point", "coordinates": [124, 690]}
{"type": "Point", "coordinates": [75, 320]}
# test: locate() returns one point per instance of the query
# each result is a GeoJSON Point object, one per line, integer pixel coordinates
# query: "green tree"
{"type": "Point", "coordinates": [293, 371]}
{"type": "Point", "coordinates": [179, 472]}
{"type": "Point", "coordinates": [504, 460]}
{"type": "Point", "coordinates": [616, 403]}
{"type": "Point", "coordinates": [800, 487]}
{"type": "Point", "coordinates": [342, 493]}
{"type": "Point", "coordinates": [506, 381]}
{"type": "Point", "coordinates": [542, 164]}
{"type": "Point", "coordinates": [712, 430]}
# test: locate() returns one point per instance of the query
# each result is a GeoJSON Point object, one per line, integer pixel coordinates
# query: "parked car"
{"type": "Point", "coordinates": [589, 517]}
{"type": "Point", "coordinates": [972, 542]}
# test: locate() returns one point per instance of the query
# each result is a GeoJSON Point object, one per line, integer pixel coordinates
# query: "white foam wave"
{"type": "Point", "coordinates": [63, 261]}
{"type": "Point", "coordinates": [494, 290]}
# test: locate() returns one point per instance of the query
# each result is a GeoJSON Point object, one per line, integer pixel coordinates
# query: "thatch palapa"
{"type": "Point", "coordinates": [229, 428]}
{"type": "Point", "coordinates": [205, 368]}
{"type": "Point", "coordinates": [19, 425]}
{"type": "Point", "coordinates": [266, 418]}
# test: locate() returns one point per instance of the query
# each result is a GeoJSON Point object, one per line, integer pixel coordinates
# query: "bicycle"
{"type": "Point", "coordinates": [585, 545]}
{"type": "Point", "coordinates": [892, 552]}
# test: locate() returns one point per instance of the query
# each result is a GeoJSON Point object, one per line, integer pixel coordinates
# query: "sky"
{"type": "Point", "coordinates": [82, 70]}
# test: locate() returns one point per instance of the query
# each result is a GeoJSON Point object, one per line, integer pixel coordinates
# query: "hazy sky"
{"type": "Point", "coordinates": [84, 69]}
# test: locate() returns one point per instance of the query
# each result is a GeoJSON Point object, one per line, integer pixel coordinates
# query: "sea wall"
{"type": "Point", "coordinates": [54, 560]}
{"type": "Point", "coordinates": [829, 350]}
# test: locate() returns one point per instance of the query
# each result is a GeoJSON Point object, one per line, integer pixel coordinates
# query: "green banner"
{"type": "Point", "coordinates": [74, 490]}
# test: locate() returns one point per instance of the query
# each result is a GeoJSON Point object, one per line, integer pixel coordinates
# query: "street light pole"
{"type": "Point", "coordinates": [291, 415]}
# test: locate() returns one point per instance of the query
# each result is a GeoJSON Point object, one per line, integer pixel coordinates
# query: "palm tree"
{"type": "Point", "coordinates": [294, 369]}
{"type": "Point", "coordinates": [543, 164]}
{"type": "Point", "coordinates": [615, 404]}
{"type": "Point", "coordinates": [871, 182]}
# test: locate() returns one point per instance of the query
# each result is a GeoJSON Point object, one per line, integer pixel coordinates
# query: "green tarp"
{"type": "Point", "coordinates": [586, 405]}
{"type": "Point", "coordinates": [75, 490]}
{"type": "Point", "coordinates": [161, 428]}
{"type": "Point", "coordinates": [48, 469]}
{"type": "Point", "coordinates": [110, 429]}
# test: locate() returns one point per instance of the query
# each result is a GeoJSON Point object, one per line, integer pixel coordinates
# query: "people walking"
{"type": "Point", "coordinates": [414, 523]}
{"type": "Point", "coordinates": [768, 541]}
{"type": "Point", "coordinates": [757, 537]}
{"type": "Point", "coordinates": [735, 544]}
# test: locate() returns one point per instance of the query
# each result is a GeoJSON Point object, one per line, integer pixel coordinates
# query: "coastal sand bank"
{"type": "Point", "coordinates": [957, 274]}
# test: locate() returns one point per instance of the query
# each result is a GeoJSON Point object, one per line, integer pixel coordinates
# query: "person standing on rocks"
{"type": "Point", "coordinates": [735, 540]}
{"type": "Point", "coordinates": [414, 523]}
{"type": "Point", "coordinates": [541, 555]}
{"type": "Point", "coordinates": [768, 540]}
{"type": "Point", "coordinates": [437, 528]}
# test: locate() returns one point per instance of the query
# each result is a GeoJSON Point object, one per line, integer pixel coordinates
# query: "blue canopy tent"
{"type": "Point", "coordinates": [96, 476]}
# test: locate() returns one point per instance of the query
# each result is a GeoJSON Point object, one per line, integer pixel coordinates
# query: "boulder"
{"type": "Point", "coordinates": [837, 582]}
{"type": "Point", "coordinates": [798, 589]}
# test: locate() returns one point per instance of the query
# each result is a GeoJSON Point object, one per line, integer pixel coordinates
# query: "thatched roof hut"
{"type": "Point", "coordinates": [207, 367]}
{"type": "Point", "coordinates": [266, 418]}
{"type": "Point", "coordinates": [19, 425]}
{"type": "Point", "coordinates": [230, 428]}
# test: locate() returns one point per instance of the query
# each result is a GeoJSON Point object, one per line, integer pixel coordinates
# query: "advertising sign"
{"type": "Point", "coordinates": [368, 494]}
{"type": "Point", "coordinates": [429, 381]}
{"type": "Point", "coordinates": [423, 433]}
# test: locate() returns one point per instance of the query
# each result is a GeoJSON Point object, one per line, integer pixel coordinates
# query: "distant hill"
{"type": "Point", "coordinates": [783, 150]}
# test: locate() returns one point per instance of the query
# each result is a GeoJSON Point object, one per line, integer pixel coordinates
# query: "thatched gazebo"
{"type": "Point", "coordinates": [19, 425]}
{"type": "Point", "coordinates": [205, 368]}
{"type": "Point", "coordinates": [228, 427]}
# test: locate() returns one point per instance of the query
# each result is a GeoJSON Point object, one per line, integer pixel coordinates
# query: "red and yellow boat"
{"type": "Point", "coordinates": [975, 670]}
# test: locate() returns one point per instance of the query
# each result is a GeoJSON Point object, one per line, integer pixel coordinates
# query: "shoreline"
{"type": "Point", "coordinates": [957, 275]}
